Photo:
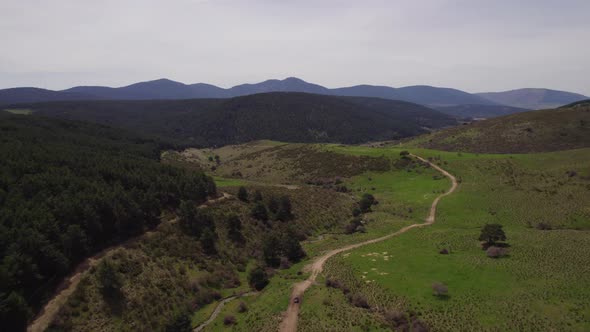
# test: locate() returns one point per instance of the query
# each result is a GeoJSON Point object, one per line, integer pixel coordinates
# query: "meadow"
{"type": "Point", "coordinates": [543, 284]}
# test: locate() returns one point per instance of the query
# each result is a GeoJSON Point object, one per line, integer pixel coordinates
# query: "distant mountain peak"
{"type": "Point", "coordinates": [160, 81]}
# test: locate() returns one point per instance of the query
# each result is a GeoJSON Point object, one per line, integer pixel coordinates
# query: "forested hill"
{"type": "Point", "coordinates": [69, 189]}
{"type": "Point", "coordinates": [291, 117]}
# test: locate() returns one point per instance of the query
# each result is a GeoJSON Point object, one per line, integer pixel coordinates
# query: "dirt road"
{"type": "Point", "coordinates": [50, 310]}
{"type": "Point", "coordinates": [289, 323]}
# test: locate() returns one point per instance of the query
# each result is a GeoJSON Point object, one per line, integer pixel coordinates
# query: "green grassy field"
{"type": "Point", "coordinates": [542, 285]}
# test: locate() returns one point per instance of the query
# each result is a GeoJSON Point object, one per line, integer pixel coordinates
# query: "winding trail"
{"type": "Point", "coordinates": [289, 323]}
{"type": "Point", "coordinates": [69, 285]}
{"type": "Point", "coordinates": [217, 310]}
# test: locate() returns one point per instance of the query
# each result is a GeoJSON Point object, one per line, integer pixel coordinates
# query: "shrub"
{"type": "Point", "coordinates": [355, 225]}
{"type": "Point", "coordinates": [229, 320]}
{"type": "Point", "coordinates": [359, 300]}
{"type": "Point", "coordinates": [333, 283]}
{"type": "Point", "coordinates": [234, 228]}
{"type": "Point", "coordinates": [242, 307]}
{"type": "Point", "coordinates": [440, 289]}
{"type": "Point", "coordinates": [356, 212]}
{"type": "Point", "coordinates": [208, 239]}
{"type": "Point", "coordinates": [366, 202]}
{"type": "Point", "coordinates": [259, 212]}
{"type": "Point", "coordinates": [396, 319]}
{"type": "Point", "coordinates": [285, 263]}
{"type": "Point", "coordinates": [258, 278]}
{"type": "Point", "coordinates": [257, 196]}
{"type": "Point", "coordinates": [273, 205]}
{"type": "Point", "coordinates": [496, 252]}
{"type": "Point", "coordinates": [243, 194]}
{"type": "Point", "coordinates": [284, 213]}
{"type": "Point", "coordinates": [108, 278]}
{"type": "Point", "coordinates": [180, 323]}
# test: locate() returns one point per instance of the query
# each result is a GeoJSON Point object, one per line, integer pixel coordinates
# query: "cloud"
{"type": "Point", "coordinates": [472, 45]}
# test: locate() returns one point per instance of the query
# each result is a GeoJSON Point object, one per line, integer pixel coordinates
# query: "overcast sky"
{"type": "Point", "coordinates": [473, 45]}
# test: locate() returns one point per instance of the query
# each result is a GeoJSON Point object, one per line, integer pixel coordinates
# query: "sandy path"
{"type": "Point", "coordinates": [289, 323]}
{"type": "Point", "coordinates": [218, 309]}
{"type": "Point", "coordinates": [50, 310]}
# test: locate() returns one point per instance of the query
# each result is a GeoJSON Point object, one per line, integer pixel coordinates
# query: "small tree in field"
{"type": "Point", "coordinates": [366, 202]}
{"type": "Point", "coordinates": [491, 233]}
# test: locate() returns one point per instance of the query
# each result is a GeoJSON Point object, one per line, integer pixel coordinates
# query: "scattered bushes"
{"type": "Point", "coordinates": [358, 300]}
{"type": "Point", "coordinates": [400, 321]}
{"type": "Point", "coordinates": [355, 225]}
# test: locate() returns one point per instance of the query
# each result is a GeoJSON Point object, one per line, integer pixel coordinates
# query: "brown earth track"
{"type": "Point", "coordinates": [289, 323]}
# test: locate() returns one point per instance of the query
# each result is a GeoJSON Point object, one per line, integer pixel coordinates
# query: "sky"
{"type": "Point", "coordinates": [472, 45]}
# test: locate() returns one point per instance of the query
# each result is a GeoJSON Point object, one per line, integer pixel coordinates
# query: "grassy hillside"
{"type": "Point", "coordinates": [69, 189]}
{"type": "Point", "coordinates": [168, 274]}
{"type": "Point", "coordinates": [293, 117]}
{"type": "Point", "coordinates": [541, 285]}
{"type": "Point", "coordinates": [535, 131]}
{"type": "Point", "coordinates": [538, 198]}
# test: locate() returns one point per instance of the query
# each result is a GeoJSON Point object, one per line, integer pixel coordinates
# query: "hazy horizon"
{"type": "Point", "coordinates": [474, 46]}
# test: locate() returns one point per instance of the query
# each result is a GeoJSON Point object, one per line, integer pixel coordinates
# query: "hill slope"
{"type": "Point", "coordinates": [293, 117]}
{"type": "Point", "coordinates": [533, 98]}
{"type": "Point", "coordinates": [535, 131]}
{"type": "Point", "coordinates": [471, 111]}
{"type": "Point", "coordinates": [69, 190]}
{"type": "Point", "coordinates": [33, 95]}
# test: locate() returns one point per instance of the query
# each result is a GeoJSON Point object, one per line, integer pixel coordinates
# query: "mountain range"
{"type": "Point", "coordinates": [420, 94]}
